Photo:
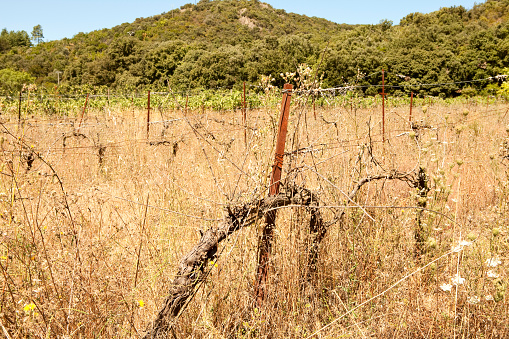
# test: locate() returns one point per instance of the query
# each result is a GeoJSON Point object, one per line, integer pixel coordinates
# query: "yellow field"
{"type": "Point", "coordinates": [95, 218]}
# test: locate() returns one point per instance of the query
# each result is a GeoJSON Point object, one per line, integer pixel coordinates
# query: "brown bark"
{"type": "Point", "coordinates": [192, 266]}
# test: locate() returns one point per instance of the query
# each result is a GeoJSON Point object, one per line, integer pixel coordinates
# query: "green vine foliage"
{"type": "Point", "coordinates": [504, 88]}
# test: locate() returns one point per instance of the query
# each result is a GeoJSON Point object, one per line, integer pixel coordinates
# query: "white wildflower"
{"type": "Point", "coordinates": [457, 280]}
{"type": "Point", "coordinates": [462, 244]}
{"type": "Point", "coordinates": [474, 300]}
{"type": "Point", "coordinates": [493, 262]}
{"type": "Point", "coordinates": [492, 274]}
{"type": "Point", "coordinates": [457, 249]}
{"type": "Point", "coordinates": [489, 297]}
{"type": "Point", "coordinates": [446, 287]}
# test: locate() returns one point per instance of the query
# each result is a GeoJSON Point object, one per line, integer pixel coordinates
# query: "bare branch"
{"type": "Point", "coordinates": [191, 271]}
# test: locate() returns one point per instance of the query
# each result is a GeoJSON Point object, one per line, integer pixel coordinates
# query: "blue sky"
{"type": "Point", "coordinates": [65, 18]}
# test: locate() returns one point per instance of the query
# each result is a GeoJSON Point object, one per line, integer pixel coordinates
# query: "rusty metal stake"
{"type": "Point", "coordinates": [19, 108]}
{"type": "Point", "coordinates": [411, 105]}
{"type": "Point", "coordinates": [83, 113]}
{"type": "Point", "coordinates": [383, 106]}
{"type": "Point", "coordinates": [314, 106]}
{"type": "Point", "coordinates": [244, 117]}
{"type": "Point", "coordinates": [132, 104]}
{"type": "Point", "coordinates": [265, 244]}
{"type": "Point", "coordinates": [187, 102]}
{"type": "Point", "coordinates": [148, 114]}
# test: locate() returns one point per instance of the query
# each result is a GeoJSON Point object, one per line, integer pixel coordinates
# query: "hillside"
{"type": "Point", "coordinates": [220, 43]}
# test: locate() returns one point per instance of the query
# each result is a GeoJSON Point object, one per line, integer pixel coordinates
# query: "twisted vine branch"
{"type": "Point", "coordinates": [192, 266]}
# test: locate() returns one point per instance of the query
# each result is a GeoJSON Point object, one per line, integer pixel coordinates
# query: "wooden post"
{"type": "Point", "coordinates": [265, 244]}
{"type": "Point", "coordinates": [411, 104]}
{"type": "Point", "coordinates": [244, 115]}
{"type": "Point", "coordinates": [383, 106]}
{"type": "Point", "coordinates": [84, 109]}
{"type": "Point", "coordinates": [148, 114]}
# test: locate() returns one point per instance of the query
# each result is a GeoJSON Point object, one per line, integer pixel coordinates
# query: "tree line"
{"type": "Point", "coordinates": [222, 43]}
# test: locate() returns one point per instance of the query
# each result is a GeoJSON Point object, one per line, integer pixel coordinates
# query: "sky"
{"type": "Point", "coordinates": [65, 18]}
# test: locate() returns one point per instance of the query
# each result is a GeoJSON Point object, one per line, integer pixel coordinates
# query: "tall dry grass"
{"type": "Point", "coordinates": [94, 222]}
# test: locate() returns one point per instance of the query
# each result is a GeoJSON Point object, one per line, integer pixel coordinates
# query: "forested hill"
{"type": "Point", "coordinates": [220, 43]}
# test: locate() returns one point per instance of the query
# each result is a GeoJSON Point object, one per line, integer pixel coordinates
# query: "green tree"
{"type": "Point", "coordinates": [9, 40]}
{"type": "Point", "coordinates": [4, 42]}
{"type": "Point", "coordinates": [163, 59]}
{"type": "Point", "coordinates": [11, 81]}
{"type": "Point", "coordinates": [37, 35]}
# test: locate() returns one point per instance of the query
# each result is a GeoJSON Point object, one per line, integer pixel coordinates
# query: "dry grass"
{"type": "Point", "coordinates": [88, 259]}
